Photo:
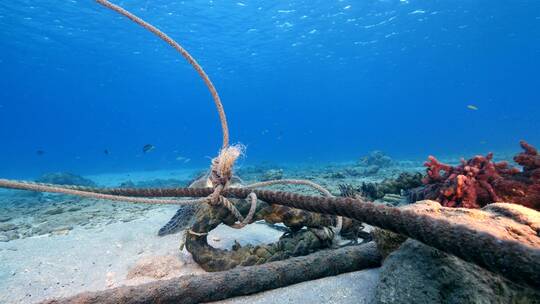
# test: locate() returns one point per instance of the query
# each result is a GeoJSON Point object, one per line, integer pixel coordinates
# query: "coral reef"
{"type": "Point", "coordinates": [481, 181]}
{"type": "Point", "coordinates": [374, 191]}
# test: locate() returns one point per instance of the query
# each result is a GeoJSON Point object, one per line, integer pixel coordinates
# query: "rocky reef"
{"type": "Point", "coordinates": [374, 191]}
{"type": "Point", "coordinates": [480, 181]}
{"type": "Point", "coordinates": [413, 272]}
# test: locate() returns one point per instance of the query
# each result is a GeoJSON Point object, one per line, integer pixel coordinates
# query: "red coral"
{"type": "Point", "coordinates": [481, 181]}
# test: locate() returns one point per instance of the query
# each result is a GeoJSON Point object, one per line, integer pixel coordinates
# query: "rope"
{"type": "Point", "coordinates": [516, 261]}
{"type": "Point", "coordinates": [309, 183]}
{"type": "Point", "coordinates": [21, 185]}
{"type": "Point", "coordinates": [249, 217]}
{"type": "Point", "coordinates": [186, 55]}
{"type": "Point", "coordinates": [321, 189]}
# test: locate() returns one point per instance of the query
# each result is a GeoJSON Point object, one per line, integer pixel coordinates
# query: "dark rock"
{"type": "Point", "coordinates": [417, 273]}
{"type": "Point", "coordinates": [403, 183]}
{"type": "Point", "coordinates": [54, 211]}
{"type": "Point", "coordinates": [7, 227]}
{"type": "Point", "coordinates": [4, 218]}
{"type": "Point", "coordinates": [272, 174]}
{"type": "Point", "coordinates": [11, 235]}
{"type": "Point", "coordinates": [376, 158]}
{"type": "Point", "coordinates": [65, 178]}
{"type": "Point", "coordinates": [387, 241]}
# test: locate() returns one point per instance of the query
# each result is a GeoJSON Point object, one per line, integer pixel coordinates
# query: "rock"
{"type": "Point", "coordinates": [4, 218]}
{"type": "Point", "coordinates": [272, 174]}
{"type": "Point", "coordinates": [156, 267]}
{"type": "Point", "coordinates": [74, 208]}
{"type": "Point", "coordinates": [376, 158]}
{"type": "Point", "coordinates": [387, 241]}
{"type": "Point", "coordinates": [7, 227]}
{"type": "Point", "coordinates": [53, 210]}
{"type": "Point", "coordinates": [65, 178]}
{"type": "Point", "coordinates": [9, 236]}
{"type": "Point", "coordinates": [417, 273]}
{"type": "Point", "coordinates": [61, 230]}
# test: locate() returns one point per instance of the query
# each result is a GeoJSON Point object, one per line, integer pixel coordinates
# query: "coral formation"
{"type": "Point", "coordinates": [481, 181]}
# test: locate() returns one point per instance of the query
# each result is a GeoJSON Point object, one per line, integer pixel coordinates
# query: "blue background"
{"type": "Point", "coordinates": [301, 81]}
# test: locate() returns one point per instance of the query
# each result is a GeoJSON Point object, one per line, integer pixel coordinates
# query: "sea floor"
{"type": "Point", "coordinates": [56, 245]}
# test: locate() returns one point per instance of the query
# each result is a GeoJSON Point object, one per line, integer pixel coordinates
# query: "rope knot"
{"type": "Point", "coordinates": [222, 165]}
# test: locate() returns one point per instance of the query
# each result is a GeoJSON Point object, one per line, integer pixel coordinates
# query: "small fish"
{"type": "Point", "coordinates": [183, 159]}
{"type": "Point", "coordinates": [472, 107]}
{"type": "Point", "coordinates": [148, 147]}
{"type": "Point", "coordinates": [40, 152]}
{"type": "Point", "coordinates": [106, 151]}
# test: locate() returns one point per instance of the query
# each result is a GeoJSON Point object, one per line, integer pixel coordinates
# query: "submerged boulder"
{"type": "Point", "coordinates": [417, 273]}
{"type": "Point", "coordinates": [376, 158]}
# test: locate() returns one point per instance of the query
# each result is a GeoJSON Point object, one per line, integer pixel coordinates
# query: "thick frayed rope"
{"type": "Point", "coordinates": [22, 185]}
{"type": "Point", "coordinates": [222, 165]}
{"type": "Point", "coordinates": [321, 189]}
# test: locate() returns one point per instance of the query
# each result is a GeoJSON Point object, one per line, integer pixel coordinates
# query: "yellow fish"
{"type": "Point", "coordinates": [472, 107]}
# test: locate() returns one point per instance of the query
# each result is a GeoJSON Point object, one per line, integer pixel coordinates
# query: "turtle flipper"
{"type": "Point", "coordinates": [181, 219]}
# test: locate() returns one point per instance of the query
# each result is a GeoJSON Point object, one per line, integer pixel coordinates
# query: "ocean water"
{"type": "Point", "coordinates": [301, 81]}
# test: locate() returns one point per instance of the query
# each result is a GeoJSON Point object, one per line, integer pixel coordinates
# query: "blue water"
{"type": "Point", "coordinates": [301, 81]}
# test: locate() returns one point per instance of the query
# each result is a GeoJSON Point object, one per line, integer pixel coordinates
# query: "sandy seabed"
{"type": "Point", "coordinates": [93, 258]}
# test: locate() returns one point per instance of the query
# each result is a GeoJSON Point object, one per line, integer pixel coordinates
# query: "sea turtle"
{"type": "Point", "coordinates": [184, 216]}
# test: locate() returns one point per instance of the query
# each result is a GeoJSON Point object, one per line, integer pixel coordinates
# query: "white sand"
{"type": "Point", "coordinates": [349, 288]}
{"type": "Point", "coordinates": [36, 268]}
{"type": "Point", "coordinates": [90, 259]}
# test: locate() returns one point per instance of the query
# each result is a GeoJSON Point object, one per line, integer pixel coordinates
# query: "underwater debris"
{"type": "Point", "coordinates": [508, 254]}
{"type": "Point", "coordinates": [236, 282]}
{"type": "Point", "coordinates": [320, 233]}
{"type": "Point", "coordinates": [481, 181]}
